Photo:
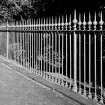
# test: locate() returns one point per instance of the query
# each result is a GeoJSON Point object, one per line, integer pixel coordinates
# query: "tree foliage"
{"type": "Point", "coordinates": [22, 9]}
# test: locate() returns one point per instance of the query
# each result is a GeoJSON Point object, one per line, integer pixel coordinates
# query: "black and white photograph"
{"type": "Point", "coordinates": [52, 52]}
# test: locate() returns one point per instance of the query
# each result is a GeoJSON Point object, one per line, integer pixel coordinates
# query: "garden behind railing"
{"type": "Point", "coordinates": [67, 50]}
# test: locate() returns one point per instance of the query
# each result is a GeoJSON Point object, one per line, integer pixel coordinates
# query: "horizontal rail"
{"type": "Point", "coordinates": [60, 31]}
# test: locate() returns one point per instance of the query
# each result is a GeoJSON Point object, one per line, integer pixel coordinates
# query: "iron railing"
{"type": "Point", "coordinates": [61, 49]}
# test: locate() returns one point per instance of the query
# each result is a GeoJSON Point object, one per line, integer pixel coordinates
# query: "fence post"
{"type": "Point", "coordinates": [7, 39]}
{"type": "Point", "coordinates": [75, 53]}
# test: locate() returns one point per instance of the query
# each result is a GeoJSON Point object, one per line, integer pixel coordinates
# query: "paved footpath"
{"type": "Point", "coordinates": [16, 89]}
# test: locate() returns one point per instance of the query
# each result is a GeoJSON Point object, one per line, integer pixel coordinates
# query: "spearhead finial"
{"type": "Point", "coordinates": [101, 21]}
{"type": "Point", "coordinates": [70, 19]}
{"type": "Point", "coordinates": [52, 22]}
{"type": "Point", "coordinates": [44, 21]}
{"type": "Point", "coordinates": [70, 22]}
{"type": "Point", "coordinates": [59, 22]}
{"type": "Point", "coordinates": [95, 21]}
{"type": "Point", "coordinates": [84, 22]}
{"type": "Point", "coordinates": [41, 24]}
{"type": "Point", "coordinates": [79, 23]}
{"type": "Point", "coordinates": [75, 20]}
{"type": "Point", "coordinates": [66, 18]}
{"type": "Point", "coordinates": [56, 22]}
{"type": "Point", "coordinates": [49, 21]}
{"type": "Point", "coordinates": [89, 22]}
{"type": "Point", "coordinates": [62, 22]}
{"type": "Point", "coordinates": [66, 23]}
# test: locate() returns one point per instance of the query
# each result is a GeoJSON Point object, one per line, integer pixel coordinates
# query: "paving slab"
{"type": "Point", "coordinates": [16, 89]}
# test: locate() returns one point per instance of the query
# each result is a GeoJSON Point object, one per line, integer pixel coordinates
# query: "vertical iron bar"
{"type": "Point", "coordinates": [20, 40]}
{"type": "Point", "coordinates": [89, 65]}
{"type": "Point", "coordinates": [32, 46]}
{"type": "Point", "coordinates": [44, 50]}
{"type": "Point", "coordinates": [22, 48]}
{"type": "Point", "coordinates": [101, 65]}
{"type": "Point", "coordinates": [62, 48]}
{"type": "Point", "coordinates": [95, 28]}
{"type": "Point", "coordinates": [101, 71]}
{"type": "Point", "coordinates": [49, 41]}
{"type": "Point", "coordinates": [7, 41]}
{"type": "Point", "coordinates": [66, 53]}
{"type": "Point", "coordinates": [84, 65]}
{"type": "Point", "coordinates": [70, 52]}
{"type": "Point", "coordinates": [79, 23]}
{"type": "Point", "coordinates": [70, 64]}
{"type": "Point", "coordinates": [52, 26]}
{"type": "Point", "coordinates": [59, 64]}
{"type": "Point", "coordinates": [28, 46]}
{"type": "Point", "coordinates": [41, 53]}
{"type": "Point", "coordinates": [75, 53]}
{"type": "Point", "coordinates": [84, 27]}
{"type": "Point", "coordinates": [14, 36]}
{"type": "Point", "coordinates": [18, 45]}
{"type": "Point", "coordinates": [25, 46]}
{"type": "Point", "coordinates": [56, 48]}
{"type": "Point", "coordinates": [46, 47]}
{"type": "Point", "coordinates": [89, 23]}
{"type": "Point", "coordinates": [49, 59]}
{"type": "Point", "coordinates": [95, 72]}
{"type": "Point", "coordinates": [39, 64]}
{"type": "Point", "coordinates": [79, 63]}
